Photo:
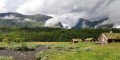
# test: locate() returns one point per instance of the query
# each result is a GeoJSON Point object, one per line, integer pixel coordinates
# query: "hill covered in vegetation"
{"type": "Point", "coordinates": [21, 20]}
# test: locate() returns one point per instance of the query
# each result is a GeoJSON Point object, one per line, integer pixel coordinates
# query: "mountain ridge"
{"type": "Point", "coordinates": [21, 20]}
{"type": "Point", "coordinates": [39, 20]}
{"type": "Point", "coordinates": [83, 23]}
{"type": "Point", "coordinates": [14, 15]}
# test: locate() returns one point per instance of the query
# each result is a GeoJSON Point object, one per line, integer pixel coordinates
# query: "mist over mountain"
{"type": "Point", "coordinates": [67, 12]}
{"type": "Point", "coordinates": [83, 23]}
{"type": "Point", "coordinates": [21, 17]}
{"type": "Point", "coordinates": [20, 20]}
{"type": "Point", "coordinates": [39, 20]}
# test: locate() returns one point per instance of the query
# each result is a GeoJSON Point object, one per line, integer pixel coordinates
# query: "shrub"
{"type": "Point", "coordinates": [59, 47]}
{"type": "Point", "coordinates": [19, 39]}
{"type": "Point", "coordinates": [14, 46]}
{"type": "Point", "coordinates": [3, 46]}
{"type": "Point", "coordinates": [5, 40]}
{"type": "Point", "coordinates": [41, 56]}
{"type": "Point", "coordinates": [31, 46]}
{"type": "Point", "coordinates": [22, 47]}
{"type": "Point", "coordinates": [1, 39]}
{"type": "Point", "coordinates": [50, 46]}
{"type": "Point", "coordinates": [88, 49]}
{"type": "Point", "coordinates": [6, 58]}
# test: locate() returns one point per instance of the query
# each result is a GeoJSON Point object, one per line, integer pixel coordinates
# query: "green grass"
{"type": "Point", "coordinates": [6, 58]}
{"type": "Point", "coordinates": [80, 51]}
{"type": "Point", "coordinates": [3, 45]}
{"type": "Point", "coordinates": [67, 51]}
{"type": "Point", "coordinates": [22, 46]}
{"type": "Point", "coordinates": [17, 46]}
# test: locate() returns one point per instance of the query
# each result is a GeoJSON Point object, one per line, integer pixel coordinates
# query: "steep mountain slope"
{"type": "Point", "coordinates": [18, 16]}
{"type": "Point", "coordinates": [38, 20]}
{"type": "Point", "coordinates": [20, 20]}
{"type": "Point", "coordinates": [83, 23]}
{"type": "Point", "coordinates": [58, 25]}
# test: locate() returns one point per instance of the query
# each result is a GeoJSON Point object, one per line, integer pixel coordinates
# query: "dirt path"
{"type": "Point", "coordinates": [20, 55]}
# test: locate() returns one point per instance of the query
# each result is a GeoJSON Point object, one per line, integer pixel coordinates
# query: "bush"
{"type": "Point", "coordinates": [31, 46]}
{"type": "Point", "coordinates": [19, 39]}
{"type": "Point", "coordinates": [50, 46]}
{"type": "Point", "coordinates": [41, 56]}
{"type": "Point", "coordinates": [5, 40]}
{"type": "Point", "coordinates": [88, 49]}
{"type": "Point", "coordinates": [22, 47]}
{"type": "Point", "coordinates": [59, 47]}
{"type": "Point", "coordinates": [1, 39]}
{"type": "Point", "coordinates": [6, 58]}
{"type": "Point", "coordinates": [2, 48]}
{"type": "Point", "coordinates": [14, 46]}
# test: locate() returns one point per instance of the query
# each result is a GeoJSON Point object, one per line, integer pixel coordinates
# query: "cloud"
{"type": "Point", "coordinates": [59, 6]}
{"type": "Point", "coordinates": [31, 7]}
{"type": "Point", "coordinates": [12, 5]}
{"type": "Point", "coordinates": [9, 5]}
{"type": "Point", "coordinates": [66, 11]}
{"type": "Point", "coordinates": [112, 10]}
{"type": "Point", "coordinates": [67, 20]}
{"type": "Point", "coordinates": [2, 6]}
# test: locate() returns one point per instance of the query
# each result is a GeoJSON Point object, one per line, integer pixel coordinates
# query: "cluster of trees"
{"type": "Point", "coordinates": [45, 34]}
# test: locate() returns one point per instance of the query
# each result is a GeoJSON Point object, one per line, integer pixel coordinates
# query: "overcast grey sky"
{"type": "Point", "coordinates": [57, 6]}
{"type": "Point", "coordinates": [65, 11]}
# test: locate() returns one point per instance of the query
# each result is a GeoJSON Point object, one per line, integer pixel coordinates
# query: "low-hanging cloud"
{"type": "Point", "coordinates": [69, 11]}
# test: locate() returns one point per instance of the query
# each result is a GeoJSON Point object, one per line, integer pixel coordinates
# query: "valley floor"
{"type": "Point", "coordinates": [65, 51]}
{"type": "Point", "coordinates": [81, 51]}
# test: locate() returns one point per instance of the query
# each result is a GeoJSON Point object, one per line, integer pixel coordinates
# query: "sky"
{"type": "Point", "coordinates": [66, 11]}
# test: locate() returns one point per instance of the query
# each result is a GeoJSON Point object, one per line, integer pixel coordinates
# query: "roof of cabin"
{"type": "Point", "coordinates": [89, 39]}
{"type": "Point", "coordinates": [112, 35]}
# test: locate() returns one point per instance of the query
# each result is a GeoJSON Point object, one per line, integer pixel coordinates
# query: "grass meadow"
{"type": "Point", "coordinates": [80, 51]}
{"type": "Point", "coordinates": [67, 51]}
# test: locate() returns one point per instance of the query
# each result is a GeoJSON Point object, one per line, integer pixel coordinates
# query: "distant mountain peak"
{"type": "Point", "coordinates": [18, 19]}
{"type": "Point", "coordinates": [59, 24]}
{"type": "Point", "coordinates": [83, 23]}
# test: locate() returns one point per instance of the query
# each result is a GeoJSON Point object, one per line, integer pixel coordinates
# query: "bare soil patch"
{"type": "Point", "coordinates": [22, 55]}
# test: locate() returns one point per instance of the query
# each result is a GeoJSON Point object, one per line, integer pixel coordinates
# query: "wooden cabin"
{"type": "Point", "coordinates": [88, 39]}
{"type": "Point", "coordinates": [76, 40]}
{"type": "Point", "coordinates": [106, 38]}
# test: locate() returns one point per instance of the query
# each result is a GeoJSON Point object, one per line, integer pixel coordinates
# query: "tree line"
{"type": "Point", "coordinates": [46, 34]}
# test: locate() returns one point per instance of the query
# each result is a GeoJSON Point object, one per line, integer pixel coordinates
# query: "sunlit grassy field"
{"type": "Point", "coordinates": [81, 51]}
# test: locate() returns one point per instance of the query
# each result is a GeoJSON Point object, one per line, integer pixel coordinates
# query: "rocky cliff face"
{"type": "Point", "coordinates": [83, 23]}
